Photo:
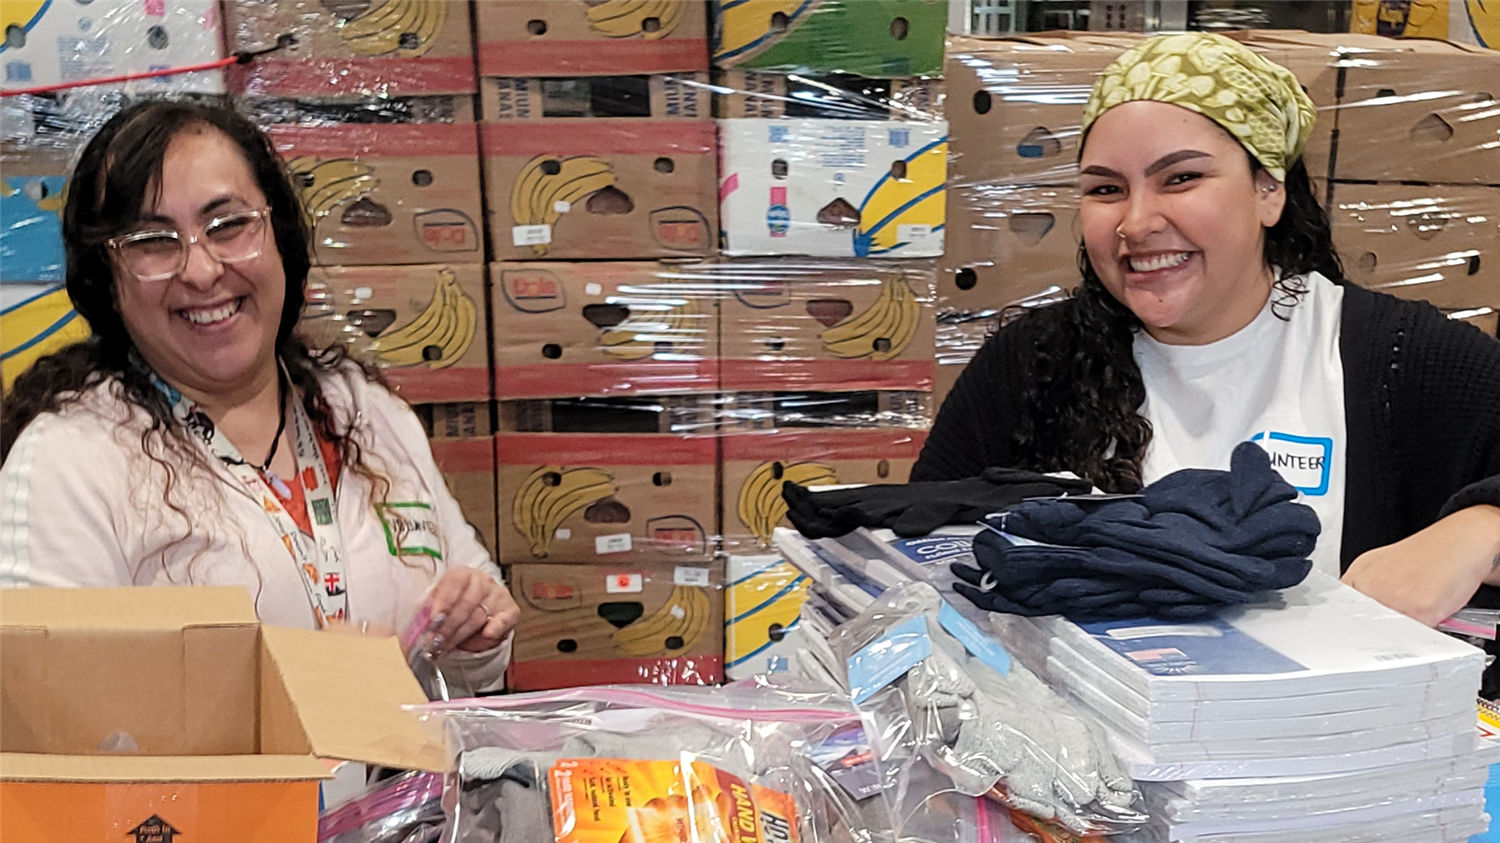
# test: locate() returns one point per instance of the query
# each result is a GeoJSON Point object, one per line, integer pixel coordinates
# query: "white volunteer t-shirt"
{"type": "Point", "coordinates": [1278, 382]}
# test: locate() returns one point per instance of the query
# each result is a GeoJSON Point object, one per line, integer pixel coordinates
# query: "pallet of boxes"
{"type": "Point", "coordinates": [831, 191]}
{"type": "Point", "coordinates": [374, 115]}
{"type": "Point", "coordinates": [43, 132]}
{"type": "Point", "coordinates": [599, 174]}
{"type": "Point", "coordinates": [1414, 225]}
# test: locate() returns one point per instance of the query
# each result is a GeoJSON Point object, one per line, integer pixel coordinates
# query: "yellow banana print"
{"type": "Point", "coordinates": [549, 496]}
{"type": "Point", "coordinates": [35, 328]}
{"type": "Point", "coordinates": [547, 186]}
{"type": "Point", "coordinates": [745, 29]}
{"type": "Point", "coordinates": [22, 14]}
{"type": "Point", "coordinates": [439, 336]}
{"type": "Point", "coordinates": [1484, 19]}
{"type": "Point", "coordinates": [669, 324]}
{"type": "Point", "coordinates": [324, 185]}
{"type": "Point", "coordinates": [400, 28]}
{"type": "Point", "coordinates": [682, 621]}
{"type": "Point", "coordinates": [761, 506]}
{"type": "Point", "coordinates": [892, 203]}
{"type": "Point", "coordinates": [627, 18]}
{"type": "Point", "coordinates": [881, 331]}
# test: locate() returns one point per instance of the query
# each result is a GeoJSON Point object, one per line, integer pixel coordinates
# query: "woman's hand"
{"type": "Point", "coordinates": [1433, 573]}
{"type": "Point", "coordinates": [471, 611]}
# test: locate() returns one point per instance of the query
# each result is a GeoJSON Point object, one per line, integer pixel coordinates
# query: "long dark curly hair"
{"type": "Point", "coordinates": [118, 169]}
{"type": "Point", "coordinates": [1080, 405]}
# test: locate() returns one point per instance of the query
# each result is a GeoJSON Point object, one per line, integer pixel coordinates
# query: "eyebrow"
{"type": "Point", "coordinates": [208, 208]}
{"type": "Point", "coordinates": [1157, 166]}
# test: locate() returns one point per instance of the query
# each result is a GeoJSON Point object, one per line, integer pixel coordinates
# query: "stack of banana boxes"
{"type": "Point", "coordinates": [371, 105]}
{"type": "Point", "coordinates": [41, 134]}
{"type": "Point", "coordinates": [600, 162]}
{"type": "Point", "coordinates": [1403, 157]}
{"type": "Point", "coordinates": [831, 201]}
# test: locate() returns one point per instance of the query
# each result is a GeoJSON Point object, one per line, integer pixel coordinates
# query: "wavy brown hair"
{"type": "Point", "coordinates": [119, 168]}
{"type": "Point", "coordinates": [1080, 407]}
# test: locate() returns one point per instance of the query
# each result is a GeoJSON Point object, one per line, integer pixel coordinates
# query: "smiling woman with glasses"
{"type": "Point", "coordinates": [195, 438]}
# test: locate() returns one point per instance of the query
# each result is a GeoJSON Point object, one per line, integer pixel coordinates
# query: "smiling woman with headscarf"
{"type": "Point", "coordinates": [1213, 310]}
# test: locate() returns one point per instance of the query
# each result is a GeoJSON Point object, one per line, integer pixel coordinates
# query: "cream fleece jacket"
{"type": "Point", "coordinates": [81, 505]}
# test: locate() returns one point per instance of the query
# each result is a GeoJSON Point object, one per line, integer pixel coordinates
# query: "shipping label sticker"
{"type": "Point", "coordinates": [692, 577]}
{"type": "Point", "coordinates": [1306, 462]}
{"type": "Point", "coordinates": [531, 235]}
{"type": "Point", "coordinates": [613, 543]}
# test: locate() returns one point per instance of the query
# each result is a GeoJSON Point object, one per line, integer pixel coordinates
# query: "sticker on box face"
{"type": "Point", "coordinates": [615, 543]}
{"type": "Point", "coordinates": [531, 235]}
{"type": "Point", "coordinates": [690, 576]}
{"type": "Point", "coordinates": [626, 583]}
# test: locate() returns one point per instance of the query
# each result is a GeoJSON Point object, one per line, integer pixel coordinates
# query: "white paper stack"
{"type": "Point", "coordinates": [1318, 715]}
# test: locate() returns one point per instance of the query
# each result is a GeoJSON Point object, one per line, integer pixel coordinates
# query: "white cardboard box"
{"type": "Point", "coordinates": [71, 41]}
{"type": "Point", "coordinates": [833, 188]}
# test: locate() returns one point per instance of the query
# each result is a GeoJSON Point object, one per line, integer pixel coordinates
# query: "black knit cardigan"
{"type": "Point", "coordinates": [1421, 405]}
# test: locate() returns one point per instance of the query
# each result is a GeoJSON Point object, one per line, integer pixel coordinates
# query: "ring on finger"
{"type": "Point", "coordinates": [488, 615]}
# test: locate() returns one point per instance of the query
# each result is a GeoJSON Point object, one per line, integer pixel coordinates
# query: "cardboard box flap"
{"type": "Point", "coordinates": [126, 608]}
{"type": "Point", "coordinates": [18, 766]}
{"type": "Point", "coordinates": [348, 692]}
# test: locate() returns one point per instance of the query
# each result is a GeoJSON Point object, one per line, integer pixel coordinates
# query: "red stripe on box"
{"type": "Point", "coordinates": [563, 380]}
{"type": "Point", "coordinates": [349, 77]}
{"type": "Point", "coordinates": [583, 57]}
{"type": "Point", "coordinates": [465, 456]}
{"type": "Point", "coordinates": [599, 136]}
{"type": "Point", "coordinates": [884, 444]}
{"type": "Point", "coordinates": [550, 675]}
{"type": "Point", "coordinates": [842, 375]}
{"type": "Point", "coordinates": [604, 449]}
{"type": "Point", "coordinates": [391, 140]}
{"type": "Point", "coordinates": [427, 386]}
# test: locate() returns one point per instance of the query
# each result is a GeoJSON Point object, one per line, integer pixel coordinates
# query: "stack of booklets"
{"type": "Point", "coordinates": [1316, 715]}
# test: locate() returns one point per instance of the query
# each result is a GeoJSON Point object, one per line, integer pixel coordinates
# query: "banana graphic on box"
{"type": "Point", "coordinates": [547, 187]}
{"type": "Point", "coordinates": [440, 334]}
{"type": "Point", "coordinates": [35, 328]}
{"type": "Point", "coordinates": [550, 495]}
{"type": "Point", "coordinates": [761, 506]}
{"type": "Point", "coordinates": [1484, 20]}
{"type": "Point", "coordinates": [20, 14]}
{"type": "Point", "coordinates": [399, 28]}
{"type": "Point", "coordinates": [744, 29]}
{"type": "Point", "coordinates": [627, 18]}
{"type": "Point", "coordinates": [325, 185]}
{"type": "Point", "coordinates": [646, 332]}
{"type": "Point", "coordinates": [881, 331]}
{"type": "Point", "coordinates": [916, 200]}
{"type": "Point", "coordinates": [682, 620]}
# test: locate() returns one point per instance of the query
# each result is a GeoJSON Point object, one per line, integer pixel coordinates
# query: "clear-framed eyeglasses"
{"type": "Point", "coordinates": [159, 254]}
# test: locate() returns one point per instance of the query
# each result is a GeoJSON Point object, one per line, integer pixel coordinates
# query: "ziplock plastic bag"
{"type": "Point", "coordinates": [987, 723]}
{"type": "Point", "coordinates": [405, 809]}
{"type": "Point", "coordinates": [607, 763]}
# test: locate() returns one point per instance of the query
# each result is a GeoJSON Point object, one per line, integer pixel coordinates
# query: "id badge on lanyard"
{"type": "Point", "coordinates": [320, 558]}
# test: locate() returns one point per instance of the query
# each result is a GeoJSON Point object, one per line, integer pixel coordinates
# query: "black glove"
{"type": "Point", "coordinates": [916, 509]}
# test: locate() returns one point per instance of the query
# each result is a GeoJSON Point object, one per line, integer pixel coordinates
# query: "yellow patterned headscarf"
{"type": "Point", "coordinates": [1257, 101]}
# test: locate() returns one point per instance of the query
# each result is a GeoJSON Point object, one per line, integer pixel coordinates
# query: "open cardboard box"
{"type": "Point", "coordinates": [133, 708]}
{"type": "Point", "coordinates": [577, 38]}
